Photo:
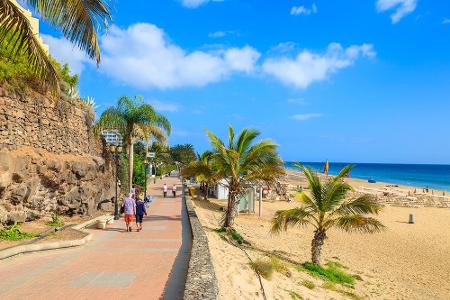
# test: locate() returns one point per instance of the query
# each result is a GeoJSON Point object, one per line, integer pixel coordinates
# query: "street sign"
{"type": "Point", "coordinates": [151, 155]}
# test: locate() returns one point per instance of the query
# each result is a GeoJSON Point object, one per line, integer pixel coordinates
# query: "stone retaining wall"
{"type": "Point", "coordinates": [58, 126]}
{"type": "Point", "coordinates": [201, 281]}
{"type": "Point", "coordinates": [49, 160]}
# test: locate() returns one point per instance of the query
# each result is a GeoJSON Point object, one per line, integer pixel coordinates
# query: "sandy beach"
{"type": "Point", "coordinates": [407, 261]}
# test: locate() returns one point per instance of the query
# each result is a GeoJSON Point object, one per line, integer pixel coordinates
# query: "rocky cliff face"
{"type": "Point", "coordinates": [36, 183]}
{"type": "Point", "coordinates": [49, 161]}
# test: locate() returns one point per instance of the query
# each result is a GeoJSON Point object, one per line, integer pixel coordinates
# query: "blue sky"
{"type": "Point", "coordinates": [344, 80]}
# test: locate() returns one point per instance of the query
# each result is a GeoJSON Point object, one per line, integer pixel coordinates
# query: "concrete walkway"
{"type": "Point", "coordinates": [116, 264]}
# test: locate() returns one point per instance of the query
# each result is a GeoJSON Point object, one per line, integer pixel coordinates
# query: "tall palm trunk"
{"type": "Point", "coordinates": [130, 165]}
{"type": "Point", "coordinates": [206, 187]}
{"type": "Point", "coordinates": [316, 245]}
{"type": "Point", "coordinates": [229, 215]}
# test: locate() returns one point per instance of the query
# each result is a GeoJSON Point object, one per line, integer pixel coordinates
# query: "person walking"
{"type": "Point", "coordinates": [129, 208]}
{"type": "Point", "coordinates": [165, 190]}
{"type": "Point", "coordinates": [174, 190]}
{"type": "Point", "coordinates": [140, 212]}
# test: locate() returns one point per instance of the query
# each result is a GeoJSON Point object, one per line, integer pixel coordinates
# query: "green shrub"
{"type": "Point", "coordinates": [237, 237]}
{"type": "Point", "coordinates": [279, 266]}
{"type": "Point", "coordinates": [56, 221]}
{"type": "Point", "coordinates": [233, 234]}
{"type": "Point", "coordinates": [331, 273]}
{"type": "Point", "coordinates": [335, 264]}
{"type": "Point", "coordinates": [220, 230]}
{"type": "Point", "coordinates": [295, 295]}
{"type": "Point", "coordinates": [20, 76]}
{"type": "Point", "coordinates": [329, 286]}
{"type": "Point", "coordinates": [332, 287]}
{"type": "Point", "coordinates": [309, 284]}
{"type": "Point", "coordinates": [262, 267]}
{"type": "Point", "coordinates": [15, 233]}
{"type": "Point", "coordinates": [72, 81]}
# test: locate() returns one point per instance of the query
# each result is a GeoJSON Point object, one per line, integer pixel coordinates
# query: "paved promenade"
{"type": "Point", "coordinates": [116, 264]}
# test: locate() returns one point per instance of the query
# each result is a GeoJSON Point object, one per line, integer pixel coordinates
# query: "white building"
{"type": "Point", "coordinates": [112, 137]}
{"type": "Point", "coordinates": [220, 190]}
{"type": "Point", "coordinates": [246, 201]}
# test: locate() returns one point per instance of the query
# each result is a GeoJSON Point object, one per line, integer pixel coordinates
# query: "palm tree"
{"type": "Point", "coordinates": [135, 120]}
{"type": "Point", "coordinates": [78, 21]}
{"type": "Point", "coordinates": [243, 163]}
{"type": "Point", "coordinates": [204, 170]}
{"type": "Point", "coordinates": [327, 207]}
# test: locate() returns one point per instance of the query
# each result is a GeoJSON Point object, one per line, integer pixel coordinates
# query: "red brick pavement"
{"type": "Point", "coordinates": [115, 265]}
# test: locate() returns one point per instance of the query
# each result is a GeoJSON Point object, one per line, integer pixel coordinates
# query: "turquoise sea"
{"type": "Point", "coordinates": [418, 175]}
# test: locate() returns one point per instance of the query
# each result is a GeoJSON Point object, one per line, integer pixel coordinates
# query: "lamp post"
{"type": "Point", "coordinates": [154, 167]}
{"type": "Point", "coordinates": [151, 156]}
{"type": "Point", "coordinates": [115, 151]}
{"type": "Point", "coordinates": [145, 178]}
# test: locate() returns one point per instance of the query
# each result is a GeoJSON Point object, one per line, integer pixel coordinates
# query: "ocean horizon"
{"type": "Point", "coordinates": [433, 176]}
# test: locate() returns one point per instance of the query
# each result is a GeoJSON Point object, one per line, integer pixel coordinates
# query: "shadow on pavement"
{"type": "Point", "coordinates": [174, 288]}
{"type": "Point", "coordinates": [162, 218]}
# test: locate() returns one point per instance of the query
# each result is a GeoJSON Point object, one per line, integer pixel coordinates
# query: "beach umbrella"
{"type": "Point", "coordinates": [325, 168]}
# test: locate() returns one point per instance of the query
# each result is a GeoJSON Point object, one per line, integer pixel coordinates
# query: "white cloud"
{"type": "Point", "coordinates": [285, 47]}
{"type": "Point", "coordinates": [302, 10]}
{"type": "Point", "coordinates": [306, 117]}
{"type": "Point", "coordinates": [241, 59]}
{"type": "Point", "coordinates": [221, 34]}
{"type": "Point", "coordinates": [217, 34]}
{"type": "Point", "coordinates": [196, 3]}
{"type": "Point", "coordinates": [164, 106]}
{"type": "Point", "coordinates": [143, 56]}
{"type": "Point", "coordinates": [402, 8]}
{"type": "Point", "coordinates": [446, 21]}
{"type": "Point", "coordinates": [65, 52]}
{"type": "Point", "coordinates": [308, 67]}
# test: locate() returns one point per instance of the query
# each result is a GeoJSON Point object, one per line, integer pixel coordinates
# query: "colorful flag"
{"type": "Point", "coordinates": [325, 168]}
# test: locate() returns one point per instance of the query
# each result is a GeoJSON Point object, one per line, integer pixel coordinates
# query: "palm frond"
{"type": "Point", "coordinates": [359, 223]}
{"type": "Point", "coordinates": [112, 118]}
{"type": "Point", "coordinates": [125, 104]}
{"type": "Point", "coordinates": [290, 217]}
{"type": "Point", "coordinates": [79, 20]}
{"type": "Point", "coordinates": [231, 137]}
{"type": "Point", "coordinates": [246, 137]}
{"type": "Point", "coordinates": [307, 201]}
{"type": "Point", "coordinates": [334, 193]}
{"type": "Point", "coordinates": [259, 153]}
{"type": "Point", "coordinates": [314, 184]}
{"type": "Point", "coordinates": [365, 204]}
{"type": "Point", "coordinates": [196, 168]}
{"type": "Point", "coordinates": [164, 123]}
{"type": "Point", "coordinates": [344, 171]}
{"type": "Point", "coordinates": [205, 156]}
{"type": "Point", "coordinates": [220, 151]}
{"type": "Point", "coordinates": [144, 132]}
{"type": "Point", "coordinates": [17, 36]}
{"type": "Point", "coordinates": [268, 173]}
